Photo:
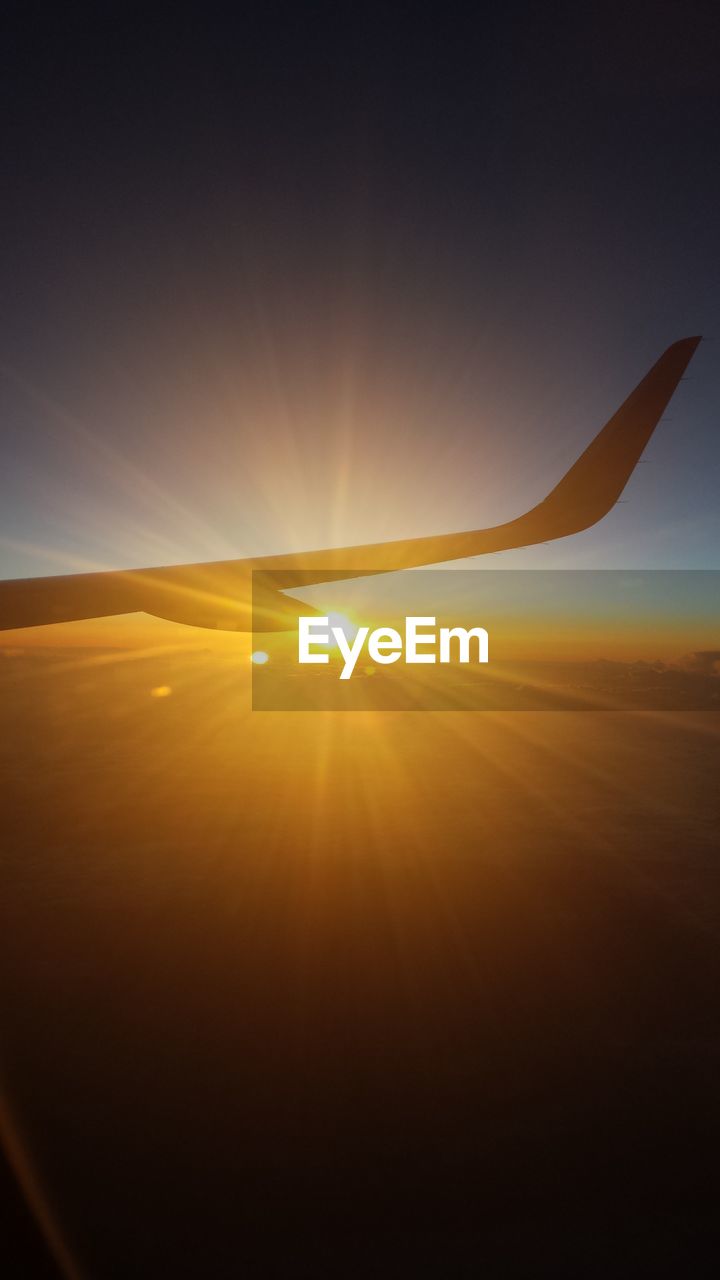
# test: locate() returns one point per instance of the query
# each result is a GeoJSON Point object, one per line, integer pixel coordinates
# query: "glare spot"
{"type": "Point", "coordinates": [161, 691]}
{"type": "Point", "coordinates": [259, 657]}
{"type": "Point", "coordinates": [343, 623]}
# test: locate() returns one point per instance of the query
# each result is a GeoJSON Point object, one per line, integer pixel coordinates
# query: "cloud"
{"type": "Point", "coordinates": [704, 661]}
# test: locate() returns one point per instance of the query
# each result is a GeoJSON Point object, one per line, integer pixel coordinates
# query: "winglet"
{"type": "Point", "coordinates": [586, 493]}
{"type": "Point", "coordinates": [594, 483]}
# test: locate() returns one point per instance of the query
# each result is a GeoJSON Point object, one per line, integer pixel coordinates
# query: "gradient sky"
{"type": "Point", "coordinates": [339, 274]}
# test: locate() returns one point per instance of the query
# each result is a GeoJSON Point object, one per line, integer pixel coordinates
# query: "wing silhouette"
{"type": "Point", "coordinates": [221, 594]}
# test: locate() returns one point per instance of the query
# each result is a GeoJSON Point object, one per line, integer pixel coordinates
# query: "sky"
{"type": "Point", "coordinates": [295, 277]}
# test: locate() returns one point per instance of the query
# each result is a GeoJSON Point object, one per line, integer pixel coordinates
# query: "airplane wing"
{"type": "Point", "coordinates": [220, 594]}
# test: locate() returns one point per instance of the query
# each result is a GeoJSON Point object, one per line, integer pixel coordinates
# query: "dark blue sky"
{"type": "Point", "coordinates": [318, 274]}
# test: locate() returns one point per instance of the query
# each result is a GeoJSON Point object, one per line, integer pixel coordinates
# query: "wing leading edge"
{"type": "Point", "coordinates": [220, 594]}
